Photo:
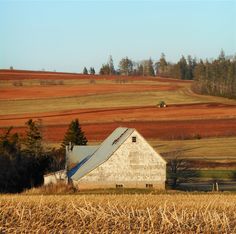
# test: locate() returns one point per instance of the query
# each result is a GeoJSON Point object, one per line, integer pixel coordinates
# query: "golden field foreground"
{"type": "Point", "coordinates": [159, 213]}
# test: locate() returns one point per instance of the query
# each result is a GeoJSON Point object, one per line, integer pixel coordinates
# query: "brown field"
{"type": "Point", "coordinates": [163, 213]}
{"type": "Point", "coordinates": [10, 75]}
{"type": "Point", "coordinates": [166, 130]}
{"type": "Point", "coordinates": [128, 114]}
{"type": "Point", "coordinates": [183, 121]}
{"type": "Point", "coordinates": [38, 92]}
{"type": "Point", "coordinates": [154, 129]}
{"type": "Point", "coordinates": [114, 101]}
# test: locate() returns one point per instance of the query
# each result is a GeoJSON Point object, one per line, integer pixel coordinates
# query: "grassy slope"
{"type": "Point", "coordinates": [93, 101]}
{"type": "Point", "coordinates": [218, 150]}
{"type": "Point", "coordinates": [100, 101]}
{"type": "Point", "coordinates": [209, 148]}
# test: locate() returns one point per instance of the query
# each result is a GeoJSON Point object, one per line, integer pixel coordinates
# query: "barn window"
{"type": "Point", "coordinates": [149, 185]}
{"type": "Point", "coordinates": [134, 139]}
{"type": "Point", "coordinates": [119, 185]}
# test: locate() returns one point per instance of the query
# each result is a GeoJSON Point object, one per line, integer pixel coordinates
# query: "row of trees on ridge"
{"type": "Point", "coordinates": [215, 77]}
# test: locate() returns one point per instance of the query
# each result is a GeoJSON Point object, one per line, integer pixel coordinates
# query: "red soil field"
{"type": "Point", "coordinates": [39, 92]}
{"type": "Point", "coordinates": [128, 114]}
{"type": "Point", "coordinates": [166, 130]}
{"type": "Point", "coordinates": [41, 75]}
{"type": "Point", "coordinates": [184, 121]}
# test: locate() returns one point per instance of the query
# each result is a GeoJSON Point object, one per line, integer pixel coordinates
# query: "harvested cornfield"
{"type": "Point", "coordinates": [163, 213]}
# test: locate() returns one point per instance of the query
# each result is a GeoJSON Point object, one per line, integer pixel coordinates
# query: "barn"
{"type": "Point", "coordinates": [123, 160]}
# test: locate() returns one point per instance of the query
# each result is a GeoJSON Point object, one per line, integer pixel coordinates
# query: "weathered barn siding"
{"type": "Point", "coordinates": [133, 165]}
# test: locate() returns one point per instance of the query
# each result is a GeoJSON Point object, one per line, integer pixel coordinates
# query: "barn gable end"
{"type": "Point", "coordinates": [134, 164]}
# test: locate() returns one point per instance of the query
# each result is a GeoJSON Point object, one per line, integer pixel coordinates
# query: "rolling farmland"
{"type": "Point", "coordinates": [102, 103]}
{"type": "Point", "coordinates": [127, 122]}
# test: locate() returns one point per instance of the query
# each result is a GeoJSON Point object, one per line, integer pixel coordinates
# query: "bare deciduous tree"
{"type": "Point", "coordinates": [178, 169]}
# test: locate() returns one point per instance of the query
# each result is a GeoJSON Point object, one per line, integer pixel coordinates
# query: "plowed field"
{"type": "Point", "coordinates": [38, 92]}
{"type": "Point", "coordinates": [202, 116]}
{"type": "Point", "coordinates": [166, 130]}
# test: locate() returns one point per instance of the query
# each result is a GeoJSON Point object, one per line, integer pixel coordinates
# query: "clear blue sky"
{"type": "Point", "coordinates": [68, 35]}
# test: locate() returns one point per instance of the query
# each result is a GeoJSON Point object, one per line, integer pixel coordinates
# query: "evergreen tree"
{"type": "Point", "coordinates": [183, 68]}
{"type": "Point", "coordinates": [74, 135]}
{"type": "Point", "coordinates": [140, 70]}
{"type": "Point", "coordinates": [21, 168]}
{"type": "Point", "coordinates": [92, 71]}
{"type": "Point", "coordinates": [105, 69]}
{"type": "Point", "coordinates": [33, 141]}
{"type": "Point", "coordinates": [162, 65]}
{"type": "Point", "coordinates": [222, 55]}
{"type": "Point", "coordinates": [85, 71]}
{"type": "Point", "coordinates": [217, 77]}
{"type": "Point", "coordinates": [10, 144]}
{"type": "Point", "coordinates": [10, 162]}
{"type": "Point", "coordinates": [190, 68]}
{"type": "Point", "coordinates": [150, 68]}
{"type": "Point", "coordinates": [111, 65]}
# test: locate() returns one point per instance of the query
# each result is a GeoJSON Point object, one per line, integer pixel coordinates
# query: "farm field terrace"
{"type": "Point", "coordinates": [155, 213]}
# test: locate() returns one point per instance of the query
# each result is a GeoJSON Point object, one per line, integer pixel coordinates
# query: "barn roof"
{"type": "Point", "coordinates": [101, 154]}
{"type": "Point", "coordinates": [79, 153]}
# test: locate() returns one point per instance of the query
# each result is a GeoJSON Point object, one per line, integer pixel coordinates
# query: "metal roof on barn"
{"type": "Point", "coordinates": [79, 153]}
{"type": "Point", "coordinates": [101, 154]}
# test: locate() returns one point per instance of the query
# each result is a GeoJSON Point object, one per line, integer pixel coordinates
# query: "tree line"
{"type": "Point", "coordinates": [24, 159]}
{"type": "Point", "coordinates": [181, 70]}
{"type": "Point", "coordinates": [215, 77]}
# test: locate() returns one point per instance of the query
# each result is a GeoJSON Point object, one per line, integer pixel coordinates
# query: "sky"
{"type": "Point", "coordinates": [68, 35]}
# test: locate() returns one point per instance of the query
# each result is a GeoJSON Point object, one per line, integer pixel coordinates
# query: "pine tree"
{"type": "Point", "coordinates": [74, 135]}
{"type": "Point", "coordinates": [92, 71]}
{"type": "Point", "coordinates": [33, 141]}
{"type": "Point", "coordinates": [10, 144]}
{"type": "Point", "coordinates": [111, 65]}
{"type": "Point", "coordinates": [222, 55]}
{"type": "Point", "coordinates": [162, 64]}
{"type": "Point", "coordinates": [85, 71]}
{"type": "Point", "coordinates": [140, 70]}
{"type": "Point", "coordinates": [105, 69]}
{"type": "Point", "coordinates": [150, 68]}
{"type": "Point", "coordinates": [183, 68]}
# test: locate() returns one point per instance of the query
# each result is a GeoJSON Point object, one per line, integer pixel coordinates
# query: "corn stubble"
{"type": "Point", "coordinates": [164, 213]}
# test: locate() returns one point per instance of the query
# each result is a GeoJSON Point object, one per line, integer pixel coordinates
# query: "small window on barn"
{"type": "Point", "coordinates": [119, 185]}
{"type": "Point", "coordinates": [149, 185]}
{"type": "Point", "coordinates": [134, 139]}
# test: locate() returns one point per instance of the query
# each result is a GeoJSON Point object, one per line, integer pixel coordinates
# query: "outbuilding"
{"type": "Point", "coordinates": [123, 160]}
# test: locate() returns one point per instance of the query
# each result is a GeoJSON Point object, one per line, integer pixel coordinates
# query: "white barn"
{"type": "Point", "coordinates": [124, 159]}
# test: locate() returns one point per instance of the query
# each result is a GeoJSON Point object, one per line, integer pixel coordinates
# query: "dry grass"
{"type": "Point", "coordinates": [222, 148]}
{"type": "Point", "coordinates": [59, 188]}
{"type": "Point", "coordinates": [164, 213]}
{"type": "Point", "coordinates": [94, 101]}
